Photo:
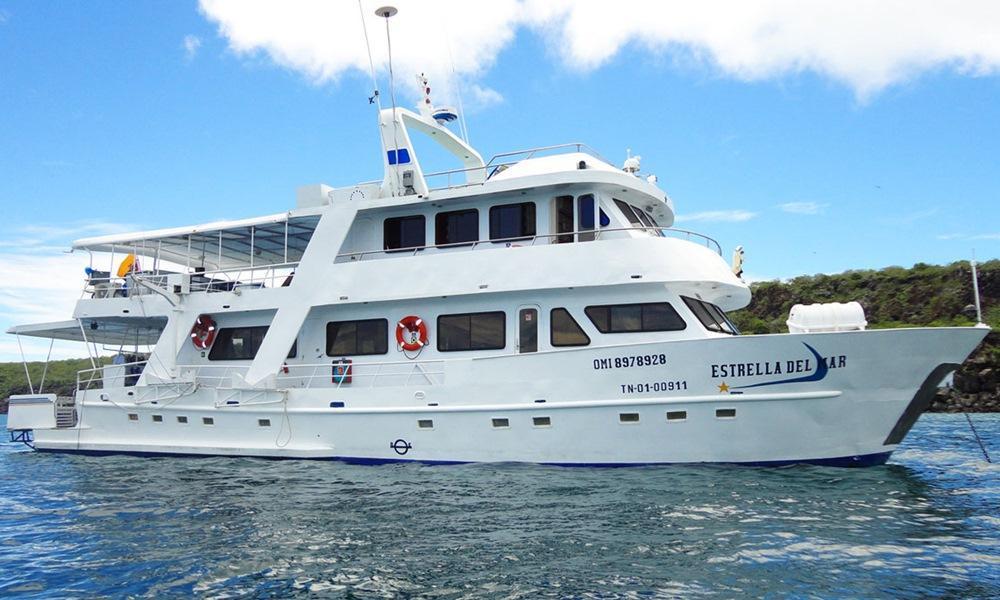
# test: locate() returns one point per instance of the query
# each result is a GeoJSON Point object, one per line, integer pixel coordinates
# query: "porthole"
{"type": "Point", "coordinates": [541, 421]}
{"type": "Point", "coordinates": [264, 422]}
{"type": "Point", "coordinates": [501, 423]}
{"type": "Point", "coordinates": [157, 418]}
{"type": "Point", "coordinates": [182, 420]}
{"type": "Point", "coordinates": [628, 417]}
{"type": "Point", "coordinates": [677, 415]}
{"type": "Point", "coordinates": [725, 413]}
{"type": "Point", "coordinates": [207, 421]}
{"type": "Point", "coordinates": [133, 417]}
{"type": "Point", "coordinates": [425, 423]}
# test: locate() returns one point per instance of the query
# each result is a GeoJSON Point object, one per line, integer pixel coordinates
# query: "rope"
{"type": "Point", "coordinates": [975, 433]}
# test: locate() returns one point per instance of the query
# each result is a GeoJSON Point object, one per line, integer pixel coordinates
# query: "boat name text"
{"type": "Point", "coordinates": [775, 367]}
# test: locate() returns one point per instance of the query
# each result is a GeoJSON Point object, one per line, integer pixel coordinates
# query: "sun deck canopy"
{"type": "Point", "coordinates": [261, 241]}
{"type": "Point", "coordinates": [110, 331]}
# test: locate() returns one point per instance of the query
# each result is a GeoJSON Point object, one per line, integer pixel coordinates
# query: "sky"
{"type": "Point", "coordinates": [821, 136]}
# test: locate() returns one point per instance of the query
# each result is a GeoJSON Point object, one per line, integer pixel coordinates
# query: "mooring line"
{"type": "Point", "coordinates": [975, 433]}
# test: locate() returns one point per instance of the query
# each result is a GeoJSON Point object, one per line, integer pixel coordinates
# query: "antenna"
{"type": "Point", "coordinates": [385, 12]}
{"type": "Point", "coordinates": [975, 289]}
{"type": "Point", "coordinates": [374, 98]}
{"type": "Point", "coordinates": [458, 85]}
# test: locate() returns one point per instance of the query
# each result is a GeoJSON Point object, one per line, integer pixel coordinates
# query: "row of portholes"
{"type": "Point", "coordinates": [183, 420]}
{"type": "Point", "coordinates": [630, 418]}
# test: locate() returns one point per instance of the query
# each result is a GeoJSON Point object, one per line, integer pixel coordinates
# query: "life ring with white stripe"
{"type": "Point", "coordinates": [411, 333]}
{"type": "Point", "coordinates": [203, 332]}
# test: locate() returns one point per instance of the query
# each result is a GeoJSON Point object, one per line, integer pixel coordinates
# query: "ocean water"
{"type": "Point", "coordinates": [926, 525]}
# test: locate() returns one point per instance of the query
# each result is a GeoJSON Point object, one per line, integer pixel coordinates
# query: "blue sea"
{"type": "Point", "coordinates": [925, 526]}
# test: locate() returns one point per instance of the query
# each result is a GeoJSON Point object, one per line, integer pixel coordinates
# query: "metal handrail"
{"type": "Point", "coordinates": [531, 152]}
{"type": "Point", "coordinates": [322, 372]}
{"type": "Point", "coordinates": [412, 250]}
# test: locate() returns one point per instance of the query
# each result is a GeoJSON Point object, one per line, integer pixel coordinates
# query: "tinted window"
{"type": "Point", "coordinates": [711, 316]}
{"type": "Point", "coordinates": [404, 232]}
{"type": "Point", "coordinates": [564, 329]}
{"type": "Point", "coordinates": [512, 221]}
{"type": "Point", "coordinates": [456, 227]}
{"type": "Point", "coordinates": [475, 331]}
{"type": "Point", "coordinates": [626, 318]}
{"type": "Point", "coordinates": [585, 210]}
{"type": "Point", "coordinates": [241, 343]}
{"type": "Point", "coordinates": [628, 212]}
{"type": "Point", "coordinates": [564, 219]}
{"type": "Point", "coordinates": [357, 338]}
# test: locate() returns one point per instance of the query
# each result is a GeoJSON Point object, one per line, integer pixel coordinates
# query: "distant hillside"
{"type": "Point", "coordinates": [899, 297]}
{"type": "Point", "coordinates": [60, 379]}
{"type": "Point", "coordinates": [892, 297]}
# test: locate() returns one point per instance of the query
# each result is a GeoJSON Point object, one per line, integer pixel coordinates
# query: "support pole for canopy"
{"type": "Point", "coordinates": [31, 389]}
{"type": "Point", "coordinates": [86, 343]}
{"type": "Point", "coordinates": [45, 369]}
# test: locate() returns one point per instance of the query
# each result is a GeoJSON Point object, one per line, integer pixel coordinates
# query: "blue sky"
{"type": "Point", "coordinates": [817, 155]}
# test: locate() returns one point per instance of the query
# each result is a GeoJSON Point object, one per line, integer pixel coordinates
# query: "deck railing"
{"type": "Point", "coordinates": [336, 374]}
{"type": "Point", "coordinates": [583, 235]}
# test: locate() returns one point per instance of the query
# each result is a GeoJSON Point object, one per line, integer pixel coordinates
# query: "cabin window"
{"type": "Point", "coordinates": [242, 343]}
{"type": "Point", "coordinates": [473, 331]}
{"type": "Point", "coordinates": [628, 212]}
{"type": "Point", "coordinates": [585, 208]}
{"type": "Point", "coordinates": [564, 219]}
{"type": "Point", "coordinates": [677, 415]}
{"type": "Point", "coordinates": [456, 227]}
{"type": "Point", "coordinates": [711, 316]}
{"type": "Point", "coordinates": [357, 338]}
{"type": "Point", "coordinates": [500, 423]}
{"type": "Point", "coordinates": [564, 330]}
{"type": "Point", "coordinates": [404, 232]}
{"type": "Point", "coordinates": [512, 221]}
{"type": "Point", "coordinates": [632, 318]}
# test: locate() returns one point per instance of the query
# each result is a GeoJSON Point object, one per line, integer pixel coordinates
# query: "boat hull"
{"type": "Point", "coordinates": [839, 399]}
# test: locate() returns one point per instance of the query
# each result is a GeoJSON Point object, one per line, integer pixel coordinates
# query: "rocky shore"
{"type": "Point", "coordinates": [975, 386]}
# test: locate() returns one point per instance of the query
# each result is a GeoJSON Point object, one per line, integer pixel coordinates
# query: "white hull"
{"type": "Point", "coordinates": [841, 412]}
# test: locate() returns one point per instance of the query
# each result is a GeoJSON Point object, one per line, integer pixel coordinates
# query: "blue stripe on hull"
{"type": "Point", "coordinates": [865, 460]}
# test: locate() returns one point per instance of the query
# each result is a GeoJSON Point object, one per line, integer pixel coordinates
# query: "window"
{"type": "Point", "coordinates": [564, 330]}
{"type": "Point", "coordinates": [512, 221]}
{"type": "Point", "coordinates": [628, 212]}
{"type": "Point", "coordinates": [585, 209]}
{"type": "Point", "coordinates": [677, 415]}
{"type": "Point", "coordinates": [241, 343]}
{"type": "Point", "coordinates": [711, 316]}
{"type": "Point", "coordinates": [157, 418]}
{"type": "Point", "coordinates": [628, 417]}
{"type": "Point", "coordinates": [425, 423]}
{"type": "Point", "coordinates": [182, 420]}
{"type": "Point", "coordinates": [527, 326]}
{"type": "Point", "coordinates": [404, 232]}
{"type": "Point", "coordinates": [501, 423]}
{"type": "Point", "coordinates": [631, 318]}
{"type": "Point", "coordinates": [474, 331]}
{"type": "Point", "coordinates": [456, 227]}
{"type": "Point", "coordinates": [725, 413]}
{"type": "Point", "coordinates": [541, 421]}
{"type": "Point", "coordinates": [263, 422]}
{"type": "Point", "coordinates": [357, 338]}
{"type": "Point", "coordinates": [133, 417]}
{"type": "Point", "coordinates": [208, 421]}
{"type": "Point", "coordinates": [564, 219]}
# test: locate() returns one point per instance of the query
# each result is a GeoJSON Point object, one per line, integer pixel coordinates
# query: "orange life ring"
{"type": "Point", "coordinates": [411, 333]}
{"type": "Point", "coordinates": [203, 332]}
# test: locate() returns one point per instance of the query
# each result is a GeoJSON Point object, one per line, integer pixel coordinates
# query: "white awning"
{"type": "Point", "coordinates": [261, 241]}
{"type": "Point", "coordinates": [110, 331]}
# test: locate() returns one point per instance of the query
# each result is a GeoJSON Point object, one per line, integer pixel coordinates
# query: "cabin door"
{"type": "Point", "coordinates": [527, 329]}
{"type": "Point", "coordinates": [563, 218]}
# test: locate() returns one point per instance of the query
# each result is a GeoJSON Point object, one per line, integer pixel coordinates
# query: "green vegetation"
{"type": "Point", "coordinates": [60, 379]}
{"type": "Point", "coordinates": [924, 295]}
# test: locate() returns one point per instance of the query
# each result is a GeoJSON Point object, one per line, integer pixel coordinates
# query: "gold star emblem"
{"type": "Point", "coordinates": [723, 387]}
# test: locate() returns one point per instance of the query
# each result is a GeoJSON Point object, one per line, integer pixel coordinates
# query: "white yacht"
{"type": "Point", "coordinates": [536, 307]}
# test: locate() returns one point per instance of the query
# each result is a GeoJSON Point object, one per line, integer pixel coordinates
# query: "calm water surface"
{"type": "Point", "coordinates": [927, 525]}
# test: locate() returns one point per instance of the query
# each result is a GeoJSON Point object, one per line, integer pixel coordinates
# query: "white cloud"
{"type": "Point", "coordinates": [969, 236]}
{"type": "Point", "coordinates": [191, 44]}
{"type": "Point", "coordinates": [717, 216]}
{"type": "Point", "coordinates": [481, 97]}
{"type": "Point", "coordinates": [803, 208]}
{"type": "Point", "coordinates": [864, 45]}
